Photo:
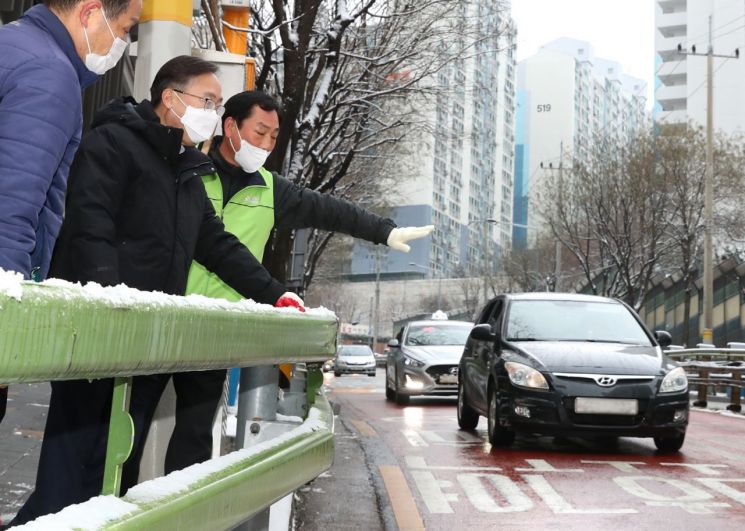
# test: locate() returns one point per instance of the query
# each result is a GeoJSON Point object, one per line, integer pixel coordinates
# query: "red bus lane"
{"type": "Point", "coordinates": [456, 479]}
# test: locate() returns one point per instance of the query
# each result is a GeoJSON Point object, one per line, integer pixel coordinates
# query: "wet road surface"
{"type": "Point", "coordinates": [431, 475]}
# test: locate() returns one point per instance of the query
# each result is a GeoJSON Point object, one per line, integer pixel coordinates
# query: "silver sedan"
{"type": "Point", "coordinates": [423, 359]}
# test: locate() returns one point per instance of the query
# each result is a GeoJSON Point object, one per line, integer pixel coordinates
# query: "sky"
{"type": "Point", "coordinates": [618, 30]}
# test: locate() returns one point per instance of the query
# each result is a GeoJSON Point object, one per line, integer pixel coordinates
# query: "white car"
{"type": "Point", "coordinates": [354, 359]}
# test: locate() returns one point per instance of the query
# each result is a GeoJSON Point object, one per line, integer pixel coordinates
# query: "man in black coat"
{"type": "Point", "coordinates": [252, 201]}
{"type": "Point", "coordinates": [136, 214]}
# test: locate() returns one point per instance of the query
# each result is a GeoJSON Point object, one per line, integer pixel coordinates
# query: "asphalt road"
{"type": "Point", "coordinates": [425, 473]}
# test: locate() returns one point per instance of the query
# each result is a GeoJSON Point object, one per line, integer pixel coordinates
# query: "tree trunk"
{"type": "Point", "coordinates": [687, 313]}
{"type": "Point", "coordinates": [277, 253]}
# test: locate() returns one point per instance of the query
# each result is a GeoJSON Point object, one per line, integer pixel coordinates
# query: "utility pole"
{"type": "Point", "coordinates": [557, 263]}
{"type": "Point", "coordinates": [708, 332]}
{"type": "Point", "coordinates": [486, 261]}
{"type": "Point", "coordinates": [439, 291]}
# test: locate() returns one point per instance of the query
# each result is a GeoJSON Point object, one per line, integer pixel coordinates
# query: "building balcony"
{"type": "Point", "coordinates": [673, 24]}
{"type": "Point", "coordinates": [667, 47]}
{"type": "Point", "coordinates": [672, 6]}
{"type": "Point", "coordinates": [672, 68]}
{"type": "Point", "coordinates": [673, 92]}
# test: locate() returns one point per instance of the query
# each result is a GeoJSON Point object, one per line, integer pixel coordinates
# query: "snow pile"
{"type": "Point", "coordinates": [722, 412]}
{"type": "Point", "coordinates": [11, 284]}
{"type": "Point", "coordinates": [93, 514]}
{"type": "Point", "coordinates": [183, 480]}
{"type": "Point", "coordinates": [122, 295]}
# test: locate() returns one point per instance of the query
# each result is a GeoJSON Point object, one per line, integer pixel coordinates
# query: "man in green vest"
{"type": "Point", "coordinates": [251, 201]}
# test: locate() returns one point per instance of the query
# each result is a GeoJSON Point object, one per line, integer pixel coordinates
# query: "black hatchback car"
{"type": "Point", "coordinates": [567, 364]}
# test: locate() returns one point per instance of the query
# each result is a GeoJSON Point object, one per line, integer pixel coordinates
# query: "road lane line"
{"type": "Point", "coordinates": [416, 462]}
{"type": "Point", "coordinates": [364, 428]}
{"type": "Point", "coordinates": [404, 507]}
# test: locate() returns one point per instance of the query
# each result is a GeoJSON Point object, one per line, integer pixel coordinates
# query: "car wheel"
{"type": "Point", "coordinates": [498, 436]}
{"type": "Point", "coordinates": [337, 373]}
{"type": "Point", "coordinates": [670, 444]}
{"type": "Point", "coordinates": [401, 399]}
{"type": "Point", "coordinates": [468, 419]}
{"type": "Point", "coordinates": [390, 395]}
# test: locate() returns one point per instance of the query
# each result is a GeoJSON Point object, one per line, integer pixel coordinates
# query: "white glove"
{"type": "Point", "coordinates": [399, 236]}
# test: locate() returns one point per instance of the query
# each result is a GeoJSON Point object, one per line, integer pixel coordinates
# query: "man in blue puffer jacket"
{"type": "Point", "coordinates": [47, 58]}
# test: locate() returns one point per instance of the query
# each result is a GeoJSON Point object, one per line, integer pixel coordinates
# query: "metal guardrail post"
{"type": "Point", "coordinates": [257, 403]}
{"type": "Point", "coordinates": [702, 389]}
{"type": "Point", "coordinates": [735, 400]}
{"type": "Point", "coordinates": [121, 436]}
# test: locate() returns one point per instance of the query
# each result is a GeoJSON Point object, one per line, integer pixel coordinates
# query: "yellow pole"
{"type": "Point", "coordinates": [237, 14]}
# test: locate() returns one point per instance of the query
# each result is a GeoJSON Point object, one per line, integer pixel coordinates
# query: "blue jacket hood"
{"type": "Point", "coordinates": [43, 18]}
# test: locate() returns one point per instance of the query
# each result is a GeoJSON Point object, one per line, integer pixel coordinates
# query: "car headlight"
{"type": "Point", "coordinates": [411, 362]}
{"type": "Point", "coordinates": [675, 381]}
{"type": "Point", "coordinates": [525, 376]}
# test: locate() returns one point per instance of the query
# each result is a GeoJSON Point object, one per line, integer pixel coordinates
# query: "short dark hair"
{"type": "Point", "coordinates": [177, 73]}
{"type": "Point", "coordinates": [240, 106]}
{"type": "Point", "coordinates": [112, 8]}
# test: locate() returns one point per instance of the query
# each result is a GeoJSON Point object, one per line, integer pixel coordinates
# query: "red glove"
{"type": "Point", "coordinates": [290, 300]}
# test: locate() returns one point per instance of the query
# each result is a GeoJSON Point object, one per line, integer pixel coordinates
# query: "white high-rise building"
{"type": "Point", "coordinates": [568, 99]}
{"type": "Point", "coordinates": [458, 172]}
{"type": "Point", "coordinates": [680, 93]}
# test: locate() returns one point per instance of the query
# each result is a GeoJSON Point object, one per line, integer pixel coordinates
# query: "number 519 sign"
{"type": "Point", "coordinates": [546, 107]}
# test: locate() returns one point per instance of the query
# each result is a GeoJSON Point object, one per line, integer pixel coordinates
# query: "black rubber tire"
{"type": "Point", "coordinates": [498, 436]}
{"type": "Point", "coordinates": [401, 399]}
{"type": "Point", "coordinates": [337, 374]}
{"type": "Point", "coordinates": [390, 395]}
{"type": "Point", "coordinates": [468, 419]}
{"type": "Point", "coordinates": [670, 444]}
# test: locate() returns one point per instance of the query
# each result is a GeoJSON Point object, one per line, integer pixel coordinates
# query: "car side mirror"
{"type": "Point", "coordinates": [483, 332]}
{"type": "Point", "coordinates": [664, 338]}
{"type": "Point", "coordinates": [393, 343]}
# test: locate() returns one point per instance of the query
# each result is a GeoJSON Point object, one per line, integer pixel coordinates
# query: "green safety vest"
{"type": "Point", "coordinates": [249, 215]}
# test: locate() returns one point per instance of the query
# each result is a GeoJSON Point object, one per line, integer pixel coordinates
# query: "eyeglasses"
{"type": "Point", "coordinates": [208, 103]}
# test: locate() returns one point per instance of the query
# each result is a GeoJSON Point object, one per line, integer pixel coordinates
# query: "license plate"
{"type": "Point", "coordinates": [448, 379]}
{"type": "Point", "coordinates": [606, 406]}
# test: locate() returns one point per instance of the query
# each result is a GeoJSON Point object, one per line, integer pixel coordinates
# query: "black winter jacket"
{"type": "Point", "coordinates": [296, 207]}
{"type": "Point", "coordinates": [137, 212]}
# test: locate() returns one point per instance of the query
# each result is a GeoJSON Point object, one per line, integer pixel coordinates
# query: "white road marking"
{"type": "Point", "coordinates": [693, 500]}
{"type": "Point", "coordinates": [414, 439]}
{"type": "Point", "coordinates": [690, 507]}
{"type": "Point", "coordinates": [561, 506]}
{"type": "Point", "coordinates": [431, 489]}
{"type": "Point", "coordinates": [623, 466]}
{"type": "Point", "coordinates": [703, 469]}
{"type": "Point", "coordinates": [417, 462]}
{"type": "Point", "coordinates": [473, 485]}
{"type": "Point", "coordinates": [632, 485]}
{"type": "Point", "coordinates": [541, 465]}
{"type": "Point", "coordinates": [720, 485]}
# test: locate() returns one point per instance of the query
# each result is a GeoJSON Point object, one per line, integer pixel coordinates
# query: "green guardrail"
{"type": "Point", "coordinates": [59, 331]}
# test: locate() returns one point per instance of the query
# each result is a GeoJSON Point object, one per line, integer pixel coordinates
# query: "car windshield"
{"type": "Point", "coordinates": [444, 334]}
{"type": "Point", "coordinates": [549, 320]}
{"type": "Point", "coordinates": [355, 350]}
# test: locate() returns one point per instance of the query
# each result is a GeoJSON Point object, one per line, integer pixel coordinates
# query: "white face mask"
{"type": "Point", "coordinates": [199, 124]}
{"type": "Point", "coordinates": [249, 157]}
{"type": "Point", "coordinates": [100, 64]}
